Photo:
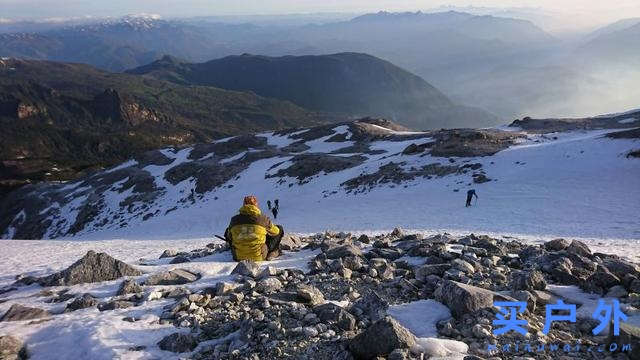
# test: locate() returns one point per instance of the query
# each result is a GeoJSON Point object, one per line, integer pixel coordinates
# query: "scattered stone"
{"type": "Point", "coordinates": [18, 312]}
{"type": "Point", "coordinates": [617, 291]}
{"type": "Point", "coordinates": [169, 253]}
{"type": "Point", "coordinates": [115, 304]}
{"type": "Point", "coordinates": [82, 302]}
{"type": "Point", "coordinates": [373, 305]}
{"type": "Point", "coordinates": [180, 259]}
{"type": "Point", "coordinates": [247, 268]}
{"type": "Point", "coordinates": [579, 248]}
{"type": "Point", "coordinates": [380, 339]}
{"type": "Point", "coordinates": [528, 280]}
{"type": "Point", "coordinates": [557, 244]}
{"type": "Point", "coordinates": [172, 277]}
{"type": "Point", "coordinates": [629, 334]}
{"type": "Point", "coordinates": [310, 294]}
{"type": "Point", "coordinates": [343, 251]}
{"type": "Point", "coordinates": [12, 348]}
{"type": "Point", "coordinates": [463, 299]}
{"type": "Point", "coordinates": [269, 285]}
{"type": "Point", "coordinates": [178, 343]}
{"type": "Point", "coordinates": [290, 242]}
{"type": "Point", "coordinates": [129, 286]}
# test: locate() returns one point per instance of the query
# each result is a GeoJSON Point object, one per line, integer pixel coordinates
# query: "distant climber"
{"type": "Point", "coordinates": [251, 234]}
{"type": "Point", "coordinates": [269, 204]}
{"type": "Point", "coordinates": [275, 209]}
{"type": "Point", "coordinates": [470, 194]}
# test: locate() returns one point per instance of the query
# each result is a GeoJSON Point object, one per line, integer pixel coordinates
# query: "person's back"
{"type": "Point", "coordinates": [249, 231]}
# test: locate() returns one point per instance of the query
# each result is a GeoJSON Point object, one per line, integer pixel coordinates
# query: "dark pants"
{"type": "Point", "coordinates": [274, 211]}
{"type": "Point", "coordinates": [469, 197]}
{"type": "Point", "coordinates": [273, 242]}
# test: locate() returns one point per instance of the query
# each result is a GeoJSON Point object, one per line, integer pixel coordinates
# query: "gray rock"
{"type": "Point", "coordinates": [364, 239]}
{"type": "Point", "coordinates": [93, 267]}
{"type": "Point", "coordinates": [621, 268]}
{"type": "Point", "coordinates": [635, 286]}
{"type": "Point", "coordinates": [380, 339]}
{"type": "Point", "coordinates": [334, 313]}
{"type": "Point", "coordinates": [463, 266]}
{"type": "Point", "coordinates": [12, 348]}
{"type": "Point", "coordinates": [178, 343]}
{"type": "Point", "coordinates": [172, 277]}
{"type": "Point", "coordinates": [116, 304]}
{"type": "Point", "coordinates": [82, 302]}
{"type": "Point", "coordinates": [310, 294]}
{"type": "Point", "coordinates": [579, 248]}
{"type": "Point", "coordinates": [268, 285]}
{"type": "Point", "coordinates": [343, 251]}
{"type": "Point", "coordinates": [399, 354]}
{"type": "Point", "coordinates": [225, 288]}
{"type": "Point", "coordinates": [247, 268]}
{"type": "Point", "coordinates": [129, 286]}
{"type": "Point", "coordinates": [18, 312]}
{"type": "Point", "coordinates": [463, 299]}
{"type": "Point", "coordinates": [290, 242]}
{"type": "Point", "coordinates": [629, 334]}
{"type": "Point", "coordinates": [169, 253]}
{"type": "Point", "coordinates": [528, 280]}
{"type": "Point", "coordinates": [422, 272]}
{"type": "Point", "coordinates": [180, 259]}
{"type": "Point", "coordinates": [617, 291]}
{"type": "Point", "coordinates": [557, 244]}
{"type": "Point", "coordinates": [310, 331]}
{"type": "Point", "coordinates": [372, 305]}
{"type": "Point", "coordinates": [603, 278]}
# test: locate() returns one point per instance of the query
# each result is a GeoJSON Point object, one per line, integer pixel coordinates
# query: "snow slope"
{"type": "Point", "coordinates": [576, 184]}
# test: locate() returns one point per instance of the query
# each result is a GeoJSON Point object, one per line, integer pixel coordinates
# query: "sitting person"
{"type": "Point", "coordinates": [251, 235]}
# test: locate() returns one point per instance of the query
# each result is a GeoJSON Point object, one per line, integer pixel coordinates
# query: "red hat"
{"type": "Point", "coordinates": [250, 200]}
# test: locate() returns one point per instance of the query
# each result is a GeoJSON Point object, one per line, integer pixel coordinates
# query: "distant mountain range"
{"type": "Point", "coordinates": [347, 83]}
{"type": "Point", "coordinates": [61, 119]}
{"type": "Point", "coordinates": [467, 57]}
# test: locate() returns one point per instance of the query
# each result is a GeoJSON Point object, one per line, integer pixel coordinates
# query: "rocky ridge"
{"type": "Point", "coordinates": [339, 308]}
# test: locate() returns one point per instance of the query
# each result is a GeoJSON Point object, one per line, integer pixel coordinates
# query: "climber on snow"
{"type": "Point", "coordinates": [251, 234]}
{"type": "Point", "coordinates": [470, 194]}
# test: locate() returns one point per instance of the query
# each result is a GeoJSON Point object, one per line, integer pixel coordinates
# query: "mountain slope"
{"type": "Point", "coordinates": [533, 178]}
{"type": "Point", "coordinates": [618, 45]}
{"type": "Point", "coordinates": [350, 83]}
{"type": "Point", "coordinates": [58, 118]}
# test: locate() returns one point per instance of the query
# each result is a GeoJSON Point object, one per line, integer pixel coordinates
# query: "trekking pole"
{"type": "Point", "coordinates": [476, 201]}
{"type": "Point", "coordinates": [220, 237]}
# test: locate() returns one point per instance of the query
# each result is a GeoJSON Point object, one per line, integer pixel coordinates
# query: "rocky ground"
{"type": "Point", "coordinates": [345, 306]}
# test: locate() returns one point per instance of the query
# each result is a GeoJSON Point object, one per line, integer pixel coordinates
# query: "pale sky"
{"type": "Point", "coordinates": [178, 8]}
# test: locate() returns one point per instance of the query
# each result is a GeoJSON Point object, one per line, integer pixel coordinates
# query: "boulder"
{"type": "Point", "coordinates": [629, 334]}
{"type": "Point", "coordinates": [93, 267]}
{"type": "Point", "coordinates": [116, 304]}
{"type": "Point", "coordinates": [380, 339]}
{"type": "Point", "coordinates": [12, 348]}
{"type": "Point", "coordinates": [463, 299]}
{"type": "Point", "coordinates": [129, 286]}
{"type": "Point", "coordinates": [343, 251]}
{"type": "Point", "coordinates": [81, 302]}
{"type": "Point", "coordinates": [617, 291]}
{"type": "Point", "coordinates": [178, 343]}
{"type": "Point", "coordinates": [290, 242]}
{"type": "Point", "coordinates": [621, 268]}
{"type": "Point", "coordinates": [180, 259]}
{"type": "Point", "coordinates": [310, 294]}
{"type": "Point", "coordinates": [172, 277]}
{"type": "Point", "coordinates": [422, 272]}
{"type": "Point", "coordinates": [364, 239]}
{"type": "Point", "coordinates": [579, 248]}
{"type": "Point", "coordinates": [557, 244]}
{"type": "Point", "coordinates": [169, 253]}
{"type": "Point", "coordinates": [18, 312]}
{"type": "Point", "coordinates": [603, 278]}
{"type": "Point", "coordinates": [528, 280]}
{"type": "Point", "coordinates": [330, 312]}
{"type": "Point", "coordinates": [247, 268]}
{"type": "Point", "coordinates": [268, 285]}
{"type": "Point", "coordinates": [463, 266]}
{"type": "Point", "coordinates": [372, 305]}
{"type": "Point", "coordinates": [635, 286]}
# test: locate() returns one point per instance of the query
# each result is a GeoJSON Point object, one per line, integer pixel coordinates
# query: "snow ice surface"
{"type": "Point", "coordinates": [420, 317]}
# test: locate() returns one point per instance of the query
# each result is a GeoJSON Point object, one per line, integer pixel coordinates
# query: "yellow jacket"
{"type": "Point", "coordinates": [249, 231]}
